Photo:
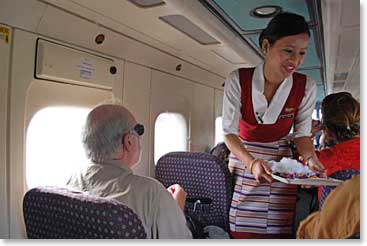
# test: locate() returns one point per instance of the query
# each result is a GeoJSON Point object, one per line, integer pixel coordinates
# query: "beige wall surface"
{"type": "Point", "coordinates": [5, 48]}
{"type": "Point", "coordinates": [136, 97]}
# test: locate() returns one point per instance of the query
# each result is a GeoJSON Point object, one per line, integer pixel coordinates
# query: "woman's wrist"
{"type": "Point", "coordinates": [307, 160]}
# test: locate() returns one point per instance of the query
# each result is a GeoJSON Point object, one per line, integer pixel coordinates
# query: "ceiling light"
{"type": "Point", "coordinates": [266, 11]}
{"type": "Point", "coordinates": [184, 25]}
{"type": "Point", "coordinates": [147, 3]}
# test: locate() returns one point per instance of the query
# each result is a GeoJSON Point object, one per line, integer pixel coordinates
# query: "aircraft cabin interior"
{"type": "Point", "coordinates": [164, 60]}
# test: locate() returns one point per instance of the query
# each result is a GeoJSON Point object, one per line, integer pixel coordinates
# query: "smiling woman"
{"type": "Point", "coordinates": [260, 106]}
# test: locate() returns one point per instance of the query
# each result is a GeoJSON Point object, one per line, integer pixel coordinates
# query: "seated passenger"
{"type": "Point", "coordinates": [111, 138]}
{"type": "Point", "coordinates": [339, 216]}
{"type": "Point", "coordinates": [340, 118]}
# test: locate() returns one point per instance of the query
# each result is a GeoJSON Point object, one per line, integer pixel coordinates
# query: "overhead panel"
{"type": "Point", "coordinates": [184, 25]}
{"type": "Point", "coordinates": [57, 62]}
{"type": "Point", "coordinates": [229, 55]}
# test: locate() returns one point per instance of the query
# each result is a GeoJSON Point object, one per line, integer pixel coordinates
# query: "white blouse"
{"type": "Point", "coordinates": [266, 114]}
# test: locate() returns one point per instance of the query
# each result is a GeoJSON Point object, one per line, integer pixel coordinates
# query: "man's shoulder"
{"type": "Point", "coordinates": [145, 182]}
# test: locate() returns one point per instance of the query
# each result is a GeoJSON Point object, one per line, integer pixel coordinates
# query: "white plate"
{"type": "Point", "coordinates": [314, 181]}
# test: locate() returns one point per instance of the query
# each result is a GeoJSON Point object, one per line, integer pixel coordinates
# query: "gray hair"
{"type": "Point", "coordinates": [103, 131]}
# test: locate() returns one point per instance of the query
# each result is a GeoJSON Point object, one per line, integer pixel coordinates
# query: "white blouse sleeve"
{"type": "Point", "coordinates": [303, 121]}
{"type": "Point", "coordinates": [231, 104]}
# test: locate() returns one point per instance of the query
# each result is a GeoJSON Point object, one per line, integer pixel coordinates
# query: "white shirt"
{"type": "Point", "coordinates": [147, 197]}
{"type": "Point", "coordinates": [268, 113]}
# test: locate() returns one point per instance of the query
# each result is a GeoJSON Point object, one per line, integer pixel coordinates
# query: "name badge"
{"type": "Point", "coordinates": [285, 116]}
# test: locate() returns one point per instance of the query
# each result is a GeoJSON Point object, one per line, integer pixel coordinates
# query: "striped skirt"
{"type": "Point", "coordinates": [261, 208]}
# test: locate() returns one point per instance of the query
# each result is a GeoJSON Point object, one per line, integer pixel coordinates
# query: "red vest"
{"type": "Point", "coordinates": [250, 130]}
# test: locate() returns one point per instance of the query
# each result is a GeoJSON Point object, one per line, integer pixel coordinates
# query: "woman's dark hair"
{"type": "Point", "coordinates": [284, 24]}
{"type": "Point", "coordinates": [341, 115]}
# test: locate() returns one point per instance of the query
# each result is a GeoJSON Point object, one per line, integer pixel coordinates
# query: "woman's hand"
{"type": "Point", "coordinates": [261, 171]}
{"type": "Point", "coordinates": [315, 165]}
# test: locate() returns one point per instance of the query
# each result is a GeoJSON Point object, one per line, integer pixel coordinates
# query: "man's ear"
{"type": "Point", "coordinates": [265, 46]}
{"type": "Point", "coordinates": [127, 141]}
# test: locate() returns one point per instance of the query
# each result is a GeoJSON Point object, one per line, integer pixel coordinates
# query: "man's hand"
{"type": "Point", "coordinates": [261, 171]}
{"type": "Point", "coordinates": [179, 194]}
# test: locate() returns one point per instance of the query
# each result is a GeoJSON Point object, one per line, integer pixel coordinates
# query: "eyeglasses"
{"type": "Point", "coordinates": [139, 129]}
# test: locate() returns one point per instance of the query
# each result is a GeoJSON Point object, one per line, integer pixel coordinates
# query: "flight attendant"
{"type": "Point", "coordinates": [260, 106]}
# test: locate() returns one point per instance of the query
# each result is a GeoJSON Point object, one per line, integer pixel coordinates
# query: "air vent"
{"type": "Point", "coordinates": [184, 25]}
{"type": "Point", "coordinates": [340, 76]}
{"type": "Point", "coordinates": [339, 85]}
{"type": "Point", "coordinates": [147, 3]}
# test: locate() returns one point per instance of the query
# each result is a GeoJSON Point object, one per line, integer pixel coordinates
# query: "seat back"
{"type": "Point", "coordinates": [340, 175]}
{"type": "Point", "coordinates": [204, 177]}
{"type": "Point", "coordinates": [51, 212]}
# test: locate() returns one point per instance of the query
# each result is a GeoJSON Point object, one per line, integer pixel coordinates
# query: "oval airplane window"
{"type": "Point", "coordinates": [170, 134]}
{"type": "Point", "coordinates": [218, 130]}
{"type": "Point", "coordinates": [54, 147]}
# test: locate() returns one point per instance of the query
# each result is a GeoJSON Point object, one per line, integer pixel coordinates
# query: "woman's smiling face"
{"type": "Point", "coordinates": [285, 56]}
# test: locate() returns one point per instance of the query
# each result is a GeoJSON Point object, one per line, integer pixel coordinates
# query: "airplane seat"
{"type": "Point", "coordinates": [341, 175]}
{"type": "Point", "coordinates": [207, 181]}
{"type": "Point", "coordinates": [60, 213]}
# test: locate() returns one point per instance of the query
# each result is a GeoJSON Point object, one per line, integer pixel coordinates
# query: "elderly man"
{"type": "Point", "coordinates": [111, 139]}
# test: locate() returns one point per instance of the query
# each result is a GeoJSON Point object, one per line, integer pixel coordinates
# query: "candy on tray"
{"type": "Point", "coordinates": [292, 169]}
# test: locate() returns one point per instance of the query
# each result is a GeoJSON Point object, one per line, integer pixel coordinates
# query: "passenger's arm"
{"type": "Point", "coordinates": [170, 221]}
{"type": "Point", "coordinates": [339, 216]}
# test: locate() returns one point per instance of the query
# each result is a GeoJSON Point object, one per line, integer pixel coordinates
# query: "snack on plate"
{"type": "Point", "coordinates": [292, 169]}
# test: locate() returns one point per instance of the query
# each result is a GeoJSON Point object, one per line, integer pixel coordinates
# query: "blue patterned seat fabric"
{"type": "Point", "coordinates": [202, 176]}
{"type": "Point", "coordinates": [51, 212]}
{"type": "Point", "coordinates": [341, 175]}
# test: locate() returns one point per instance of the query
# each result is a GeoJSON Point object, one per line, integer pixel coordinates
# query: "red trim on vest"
{"type": "Point", "coordinates": [250, 130]}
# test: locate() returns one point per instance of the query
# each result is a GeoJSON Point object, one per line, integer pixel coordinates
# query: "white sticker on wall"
{"type": "Point", "coordinates": [86, 68]}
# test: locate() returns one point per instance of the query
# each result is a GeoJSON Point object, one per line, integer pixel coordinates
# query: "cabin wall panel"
{"type": "Point", "coordinates": [218, 108]}
{"type": "Point", "coordinates": [136, 96]}
{"type": "Point", "coordinates": [5, 48]}
{"type": "Point", "coordinates": [22, 73]}
{"type": "Point", "coordinates": [168, 94]}
{"type": "Point", "coordinates": [202, 124]}
{"type": "Point", "coordinates": [194, 102]}
{"type": "Point", "coordinates": [218, 103]}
